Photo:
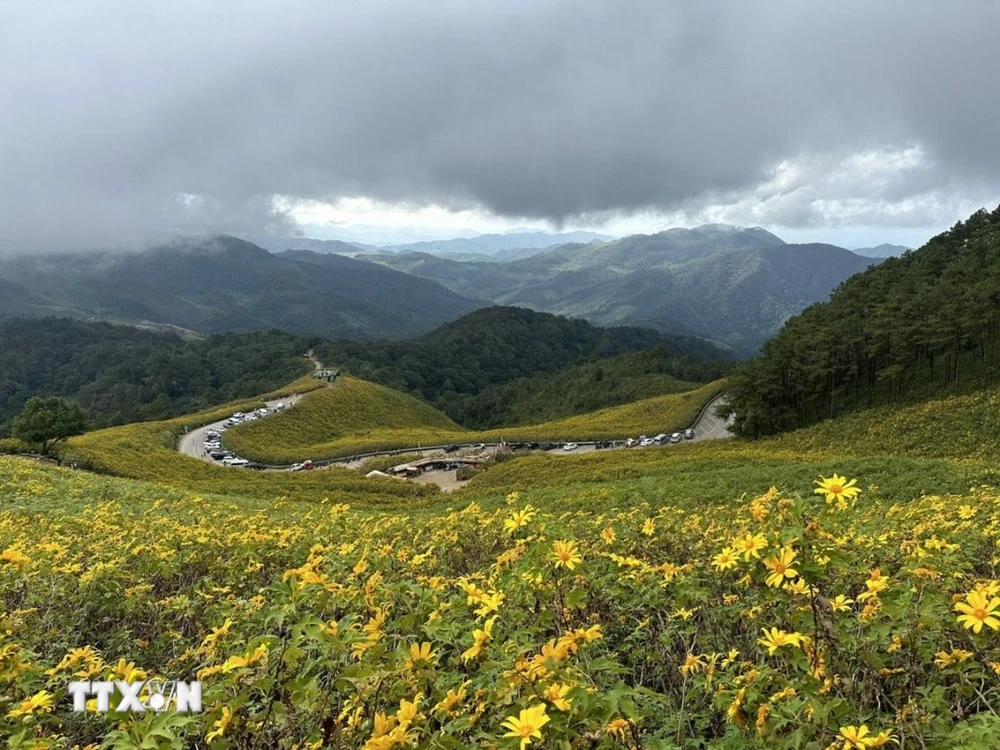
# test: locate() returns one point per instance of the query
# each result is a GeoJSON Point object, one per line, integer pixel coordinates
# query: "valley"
{"type": "Point", "coordinates": [755, 592]}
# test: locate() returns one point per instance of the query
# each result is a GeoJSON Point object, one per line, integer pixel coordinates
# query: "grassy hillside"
{"type": "Point", "coordinates": [350, 417]}
{"type": "Point", "coordinates": [148, 451]}
{"type": "Point", "coordinates": [602, 590]}
{"type": "Point", "coordinates": [356, 417]}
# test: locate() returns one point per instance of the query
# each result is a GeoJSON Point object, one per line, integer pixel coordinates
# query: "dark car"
{"type": "Point", "coordinates": [689, 434]}
{"type": "Point", "coordinates": [450, 448]}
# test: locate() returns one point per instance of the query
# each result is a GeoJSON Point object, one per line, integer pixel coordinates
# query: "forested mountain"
{"type": "Point", "coordinates": [224, 284]}
{"type": "Point", "coordinates": [726, 283]}
{"type": "Point", "coordinates": [123, 374]}
{"type": "Point", "coordinates": [884, 250]}
{"type": "Point", "coordinates": [578, 389]}
{"type": "Point", "coordinates": [501, 344]}
{"type": "Point", "coordinates": [916, 326]}
{"type": "Point", "coordinates": [120, 373]}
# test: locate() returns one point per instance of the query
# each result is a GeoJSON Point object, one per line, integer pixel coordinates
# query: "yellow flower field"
{"type": "Point", "coordinates": [764, 619]}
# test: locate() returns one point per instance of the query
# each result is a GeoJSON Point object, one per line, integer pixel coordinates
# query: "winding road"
{"type": "Point", "coordinates": [706, 427]}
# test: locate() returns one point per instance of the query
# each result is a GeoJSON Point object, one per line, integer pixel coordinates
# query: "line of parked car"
{"type": "Point", "coordinates": [213, 438]}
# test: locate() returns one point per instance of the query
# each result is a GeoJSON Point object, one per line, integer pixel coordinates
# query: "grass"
{"type": "Point", "coordinates": [288, 611]}
{"type": "Point", "coordinates": [147, 451]}
{"type": "Point", "coordinates": [356, 416]}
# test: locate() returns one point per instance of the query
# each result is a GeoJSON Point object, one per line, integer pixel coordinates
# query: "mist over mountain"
{"type": "Point", "coordinates": [885, 250]}
{"type": "Point", "coordinates": [736, 285]}
{"type": "Point", "coordinates": [223, 284]}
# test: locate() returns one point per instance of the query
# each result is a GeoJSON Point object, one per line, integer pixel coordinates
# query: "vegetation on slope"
{"type": "Point", "coordinates": [220, 284]}
{"type": "Point", "coordinates": [623, 613]}
{"type": "Point", "coordinates": [357, 417]}
{"type": "Point", "coordinates": [583, 388]}
{"type": "Point", "coordinates": [736, 285]}
{"type": "Point", "coordinates": [123, 374]}
{"type": "Point", "coordinates": [914, 327]}
{"type": "Point", "coordinates": [148, 451]}
{"type": "Point", "coordinates": [451, 366]}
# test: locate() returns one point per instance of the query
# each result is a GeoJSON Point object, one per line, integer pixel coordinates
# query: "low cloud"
{"type": "Point", "coordinates": [124, 122]}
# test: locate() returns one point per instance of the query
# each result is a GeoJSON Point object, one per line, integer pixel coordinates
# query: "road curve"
{"type": "Point", "coordinates": [707, 426]}
{"type": "Point", "coordinates": [193, 443]}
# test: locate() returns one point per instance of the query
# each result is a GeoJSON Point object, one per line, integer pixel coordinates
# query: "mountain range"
{"type": "Point", "coordinates": [499, 247]}
{"type": "Point", "coordinates": [735, 285]}
{"type": "Point", "coordinates": [885, 250]}
{"type": "Point", "coordinates": [224, 284]}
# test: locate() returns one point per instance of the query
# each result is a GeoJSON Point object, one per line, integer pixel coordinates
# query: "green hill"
{"type": "Point", "coordinates": [222, 284]}
{"type": "Point", "coordinates": [454, 364]}
{"type": "Point", "coordinates": [354, 416]}
{"type": "Point", "coordinates": [915, 327]}
{"type": "Point", "coordinates": [120, 373]}
{"type": "Point", "coordinates": [725, 283]}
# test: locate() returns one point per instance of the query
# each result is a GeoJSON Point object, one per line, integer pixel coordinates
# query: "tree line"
{"type": "Point", "coordinates": [913, 327]}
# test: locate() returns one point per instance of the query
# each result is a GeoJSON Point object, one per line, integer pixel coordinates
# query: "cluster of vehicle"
{"type": "Point", "coordinates": [641, 442]}
{"type": "Point", "coordinates": [662, 439]}
{"type": "Point", "coordinates": [213, 438]}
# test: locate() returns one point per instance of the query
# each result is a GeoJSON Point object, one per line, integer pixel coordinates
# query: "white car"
{"type": "Point", "coordinates": [646, 442]}
{"type": "Point", "coordinates": [234, 461]}
{"type": "Point", "coordinates": [631, 442]}
{"type": "Point", "coordinates": [570, 447]}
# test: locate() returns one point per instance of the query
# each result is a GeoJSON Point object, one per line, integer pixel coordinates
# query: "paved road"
{"type": "Point", "coordinates": [193, 443]}
{"type": "Point", "coordinates": [706, 427]}
{"type": "Point", "coordinates": [709, 426]}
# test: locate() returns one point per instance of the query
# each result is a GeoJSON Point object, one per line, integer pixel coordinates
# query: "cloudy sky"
{"type": "Point", "coordinates": [848, 121]}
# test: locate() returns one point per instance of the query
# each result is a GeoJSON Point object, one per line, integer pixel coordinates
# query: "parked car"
{"type": "Point", "coordinates": [675, 438]}
{"type": "Point", "coordinates": [450, 448]}
{"type": "Point", "coordinates": [689, 434]}
{"type": "Point", "coordinates": [631, 442]}
{"type": "Point", "coordinates": [218, 455]}
{"type": "Point", "coordinates": [661, 438]}
{"type": "Point", "coordinates": [570, 447]}
{"type": "Point", "coordinates": [645, 442]}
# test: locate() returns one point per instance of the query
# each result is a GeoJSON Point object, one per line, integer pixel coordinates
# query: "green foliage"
{"type": "Point", "coordinates": [584, 388]}
{"type": "Point", "coordinates": [311, 623]}
{"type": "Point", "coordinates": [916, 327]}
{"type": "Point", "coordinates": [454, 367]}
{"type": "Point", "coordinates": [47, 420]}
{"type": "Point", "coordinates": [124, 374]}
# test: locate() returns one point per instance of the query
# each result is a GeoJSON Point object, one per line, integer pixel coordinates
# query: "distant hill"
{"type": "Point", "coordinates": [736, 285]}
{"type": "Point", "coordinates": [454, 363]}
{"type": "Point", "coordinates": [226, 284]}
{"type": "Point", "coordinates": [920, 326]}
{"type": "Point", "coordinates": [507, 246]}
{"type": "Point", "coordinates": [884, 250]}
{"type": "Point", "coordinates": [280, 244]}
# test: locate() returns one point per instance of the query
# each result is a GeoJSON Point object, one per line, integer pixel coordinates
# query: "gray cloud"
{"type": "Point", "coordinates": [112, 111]}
